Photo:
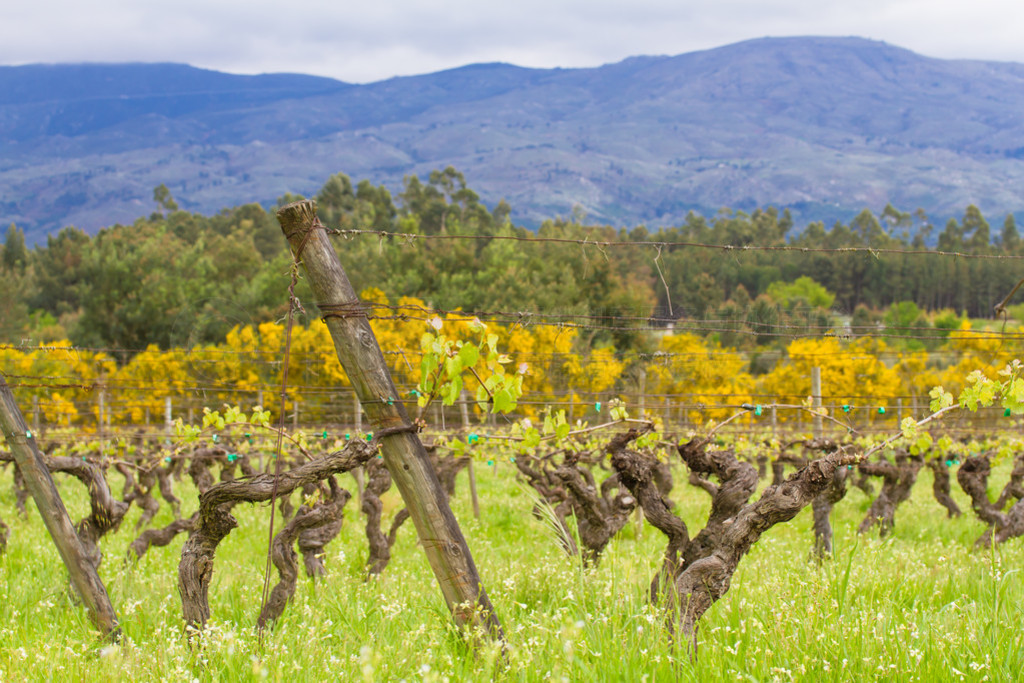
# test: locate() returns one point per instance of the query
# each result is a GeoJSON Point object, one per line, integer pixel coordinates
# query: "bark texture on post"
{"type": "Point", "coordinates": [37, 479]}
{"type": "Point", "coordinates": [403, 453]}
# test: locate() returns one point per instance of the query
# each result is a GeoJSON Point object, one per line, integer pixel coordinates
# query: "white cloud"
{"type": "Point", "coordinates": [372, 40]}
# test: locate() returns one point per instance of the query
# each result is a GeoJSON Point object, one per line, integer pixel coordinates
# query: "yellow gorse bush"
{"type": "Point", "coordinates": [698, 377]}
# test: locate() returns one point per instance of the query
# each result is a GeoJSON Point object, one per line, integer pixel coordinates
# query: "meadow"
{"type": "Point", "coordinates": [920, 605]}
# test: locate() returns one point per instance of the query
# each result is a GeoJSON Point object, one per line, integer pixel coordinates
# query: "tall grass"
{"type": "Point", "coordinates": [919, 606]}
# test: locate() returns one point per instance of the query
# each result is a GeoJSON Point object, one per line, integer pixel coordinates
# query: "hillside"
{"type": "Point", "coordinates": [824, 126]}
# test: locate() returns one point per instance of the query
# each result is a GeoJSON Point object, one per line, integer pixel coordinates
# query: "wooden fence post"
{"type": "Point", "coordinates": [816, 422]}
{"type": "Point", "coordinates": [35, 415]}
{"type": "Point", "coordinates": [464, 409]}
{"type": "Point", "coordinates": [357, 413]}
{"type": "Point", "coordinates": [401, 448]}
{"type": "Point", "coordinates": [641, 398]}
{"type": "Point", "coordinates": [168, 418]}
{"type": "Point", "coordinates": [26, 454]}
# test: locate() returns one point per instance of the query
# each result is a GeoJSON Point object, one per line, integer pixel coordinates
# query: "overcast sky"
{"type": "Point", "coordinates": [374, 39]}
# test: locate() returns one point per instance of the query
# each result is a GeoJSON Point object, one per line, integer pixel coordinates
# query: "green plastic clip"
{"type": "Point", "coordinates": [490, 462]}
{"type": "Point", "coordinates": [215, 438]}
{"type": "Point", "coordinates": [881, 410]}
{"type": "Point", "coordinates": [28, 434]}
{"type": "Point", "coordinates": [1007, 413]}
{"type": "Point", "coordinates": [325, 434]}
{"type": "Point", "coordinates": [846, 407]}
{"type": "Point", "coordinates": [167, 460]}
{"type": "Point", "coordinates": [369, 437]}
{"type": "Point", "coordinates": [347, 436]}
{"type": "Point", "coordinates": [597, 406]}
{"type": "Point", "coordinates": [757, 411]}
{"type": "Point", "coordinates": [473, 438]}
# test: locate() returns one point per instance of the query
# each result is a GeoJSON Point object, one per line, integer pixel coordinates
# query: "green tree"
{"type": "Point", "coordinates": [1009, 238]}
{"type": "Point", "coordinates": [58, 274]}
{"type": "Point", "coordinates": [975, 230]}
{"type": "Point", "coordinates": [804, 288]}
{"type": "Point", "coordinates": [14, 319]}
{"type": "Point", "coordinates": [905, 324]}
{"type": "Point", "coordinates": [763, 318]}
{"type": "Point", "coordinates": [15, 254]}
{"type": "Point", "coordinates": [162, 196]}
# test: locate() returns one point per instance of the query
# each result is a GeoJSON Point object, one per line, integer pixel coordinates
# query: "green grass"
{"type": "Point", "coordinates": [918, 606]}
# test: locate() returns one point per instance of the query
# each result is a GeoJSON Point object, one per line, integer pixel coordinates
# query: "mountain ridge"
{"type": "Point", "coordinates": [823, 126]}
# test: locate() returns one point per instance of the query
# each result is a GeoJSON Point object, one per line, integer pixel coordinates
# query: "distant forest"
{"type": "Point", "coordinates": [176, 278]}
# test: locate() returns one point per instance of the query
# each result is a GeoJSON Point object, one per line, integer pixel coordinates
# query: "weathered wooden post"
{"type": "Point", "coordinates": [168, 418]}
{"type": "Point", "coordinates": [401, 448]}
{"type": "Point", "coordinates": [816, 422]}
{"type": "Point", "coordinates": [642, 396]}
{"type": "Point", "coordinates": [464, 409]}
{"type": "Point", "coordinates": [51, 508]}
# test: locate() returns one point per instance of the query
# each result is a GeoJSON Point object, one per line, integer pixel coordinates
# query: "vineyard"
{"type": "Point", "coordinates": [261, 507]}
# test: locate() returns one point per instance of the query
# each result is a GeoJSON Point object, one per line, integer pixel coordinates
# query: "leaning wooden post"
{"type": "Point", "coordinates": [51, 508]}
{"type": "Point", "coordinates": [401, 448]}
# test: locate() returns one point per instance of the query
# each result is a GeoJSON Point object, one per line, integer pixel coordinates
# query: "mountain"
{"type": "Point", "coordinates": [824, 126]}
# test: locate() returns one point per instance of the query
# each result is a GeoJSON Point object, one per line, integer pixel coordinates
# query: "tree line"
{"type": "Point", "coordinates": [176, 279]}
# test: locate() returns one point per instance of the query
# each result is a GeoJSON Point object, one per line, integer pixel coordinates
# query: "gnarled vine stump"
{"type": "Point", "coordinates": [105, 511]}
{"type": "Point", "coordinates": [215, 520]}
{"type": "Point", "coordinates": [539, 474]}
{"type": "Point", "coordinates": [378, 480]}
{"type": "Point", "coordinates": [160, 537]}
{"type": "Point", "coordinates": [898, 479]}
{"type": "Point", "coordinates": [199, 470]}
{"type": "Point", "coordinates": [973, 478]}
{"type": "Point", "coordinates": [696, 573]}
{"type": "Point", "coordinates": [598, 516]}
{"type": "Point", "coordinates": [823, 503]}
{"type": "Point", "coordinates": [941, 488]}
{"type": "Point", "coordinates": [323, 513]}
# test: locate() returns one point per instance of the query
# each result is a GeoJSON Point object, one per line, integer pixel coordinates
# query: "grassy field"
{"type": "Point", "coordinates": [920, 605]}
